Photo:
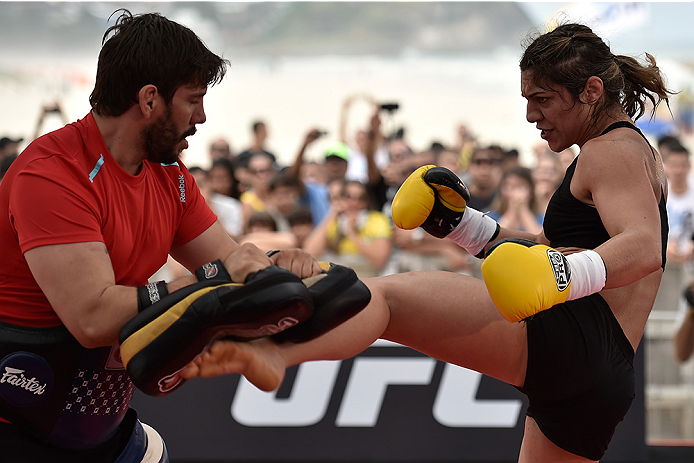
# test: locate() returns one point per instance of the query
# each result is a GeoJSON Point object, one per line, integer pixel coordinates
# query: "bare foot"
{"type": "Point", "coordinates": [260, 361]}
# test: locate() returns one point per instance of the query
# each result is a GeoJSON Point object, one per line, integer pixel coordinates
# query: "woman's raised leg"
{"type": "Point", "coordinates": [445, 315]}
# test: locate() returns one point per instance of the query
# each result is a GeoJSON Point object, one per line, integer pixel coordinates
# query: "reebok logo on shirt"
{"type": "Point", "coordinates": [182, 188]}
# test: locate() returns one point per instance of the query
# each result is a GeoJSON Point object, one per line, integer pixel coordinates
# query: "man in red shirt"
{"type": "Point", "coordinates": [90, 212]}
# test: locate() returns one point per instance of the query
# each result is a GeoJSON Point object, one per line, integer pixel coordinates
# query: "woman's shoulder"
{"type": "Point", "coordinates": [617, 148]}
{"type": "Point", "coordinates": [622, 160]}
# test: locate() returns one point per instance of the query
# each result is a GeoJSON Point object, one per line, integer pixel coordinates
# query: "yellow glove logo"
{"type": "Point", "coordinates": [562, 272]}
{"type": "Point", "coordinates": [520, 281]}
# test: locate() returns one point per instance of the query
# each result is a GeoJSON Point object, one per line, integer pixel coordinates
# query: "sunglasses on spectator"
{"type": "Point", "coordinates": [356, 198]}
{"type": "Point", "coordinates": [489, 162]}
{"type": "Point", "coordinates": [260, 171]}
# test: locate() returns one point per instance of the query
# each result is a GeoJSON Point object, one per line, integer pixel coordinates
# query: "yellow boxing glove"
{"type": "Point", "coordinates": [524, 278]}
{"type": "Point", "coordinates": [435, 199]}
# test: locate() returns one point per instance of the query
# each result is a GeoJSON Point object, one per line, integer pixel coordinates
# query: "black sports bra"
{"type": "Point", "coordinates": [572, 223]}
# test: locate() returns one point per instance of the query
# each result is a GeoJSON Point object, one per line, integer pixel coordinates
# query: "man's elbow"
{"type": "Point", "coordinates": [92, 335]}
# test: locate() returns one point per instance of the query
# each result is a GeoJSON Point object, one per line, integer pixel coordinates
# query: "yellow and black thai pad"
{"type": "Point", "coordinates": [337, 295]}
{"type": "Point", "coordinates": [157, 343]}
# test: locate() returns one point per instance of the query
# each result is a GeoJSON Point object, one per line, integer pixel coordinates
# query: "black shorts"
{"type": "Point", "coordinates": [580, 379]}
{"type": "Point", "coordinates": [18, 446]}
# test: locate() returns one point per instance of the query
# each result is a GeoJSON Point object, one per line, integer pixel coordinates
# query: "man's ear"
{"type": "Point", "coordinates": [593, 90]}
{"type": "Point", "coordinates": [147, 98]}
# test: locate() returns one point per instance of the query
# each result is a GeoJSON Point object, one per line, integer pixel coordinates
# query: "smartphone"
{"type": "Point", "coordinates": [390, 107]}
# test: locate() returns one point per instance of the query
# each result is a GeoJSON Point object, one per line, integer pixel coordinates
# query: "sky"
{"type": "Point", "coordinates": [663, 28]}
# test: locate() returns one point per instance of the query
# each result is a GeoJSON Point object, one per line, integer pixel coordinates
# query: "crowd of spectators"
{"type": "Point", "coordinates": [338, 207]}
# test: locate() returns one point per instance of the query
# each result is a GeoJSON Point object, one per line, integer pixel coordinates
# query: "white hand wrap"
{"type": "Point", "coordinates": [474, 231]}
{"type": "Point", "coordinates": [588, 273]}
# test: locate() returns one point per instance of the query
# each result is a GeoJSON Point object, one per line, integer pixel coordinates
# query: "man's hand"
{"type": "Point", "coordinates": [375, 121]}
{"type": "Point", "coordinates": [247, 259]}
{"type": "Point", "coordinates": [297, 261]}
{"type": "Point", "coordinates": [312, 135]}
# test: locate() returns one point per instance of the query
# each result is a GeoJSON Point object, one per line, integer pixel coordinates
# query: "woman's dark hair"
{"type": "Point", "coordinates": [523, 173]}
{"type": "Point", "coordinates": [283, 179]}
{"type": "Point", "coordinates": [229, 166]}
{"type": "Point", "coordinates": [150, 49]}
{"type": "Point", "coordinates": [367, 193]}
{"type": "Point", "coordinates": [300, 216]}
{"type": "Point", "coordinates": [570, 54]}
{"type": "Point", "coordinates": [262, 219]}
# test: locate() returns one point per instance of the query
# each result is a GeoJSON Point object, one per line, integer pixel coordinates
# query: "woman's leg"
{"type": "Point", "coordinates": [442, 314]}
{"type": "Point", "coordinates": [451, 317]}
{"type": "Point", "coordinates": [536, 448]}
{"type": "Point", "coordinates": [445, 315]}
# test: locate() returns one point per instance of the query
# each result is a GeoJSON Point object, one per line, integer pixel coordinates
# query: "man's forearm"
{"type": "Point", "coordinates": [684, 337]}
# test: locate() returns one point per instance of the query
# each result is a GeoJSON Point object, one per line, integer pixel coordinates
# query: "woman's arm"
{"type": "Point", "coordinates": [615, 179]}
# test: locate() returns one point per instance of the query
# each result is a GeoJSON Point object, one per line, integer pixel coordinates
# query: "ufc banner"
{"type": "Point", "coordinates": [389, 403]}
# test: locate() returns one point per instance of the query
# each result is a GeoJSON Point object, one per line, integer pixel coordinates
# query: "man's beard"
{"type": "Point", "coordinates": [161, 138]}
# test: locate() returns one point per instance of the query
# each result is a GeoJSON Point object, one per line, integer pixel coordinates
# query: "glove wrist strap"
{"type": "Point", "coordinates": [150, 293]}
{"type": "Point", "coordinates": [474, 231]}
{"type": "Point", "coordinates": [588, 274]}
{"type": "Point", "coordinates": [214, 270]}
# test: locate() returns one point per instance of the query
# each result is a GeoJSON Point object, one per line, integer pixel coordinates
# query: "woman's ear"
{"type": "Point", "coordinates": [592, 91]}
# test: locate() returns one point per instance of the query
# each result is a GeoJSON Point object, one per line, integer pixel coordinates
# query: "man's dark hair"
{"type": "Point", "coordinates": [676, 150]}
{"type": "Point", "coordinates": [150, 49]}
{"type": "Point", "coordinates": [437, 146]}
{"type": "Point", "coordinates": [6, 163]}
{"type": "Point", "coordinates": [196, 169]}
{"type": "Point", "coordinates": [262, 219]}
{"type": "Point", "coordinates": [257, 125]}
{"type": "Point", "coordinates": [283, 179]}
{"type": "Point", "coordinates": [495, 152]}
{"type": "Point", "coordinates": [669, 142]}
{"type": "Point", "coordinates": [300, 216]}
{"type": "Point", "coordinates": [231, 169]}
